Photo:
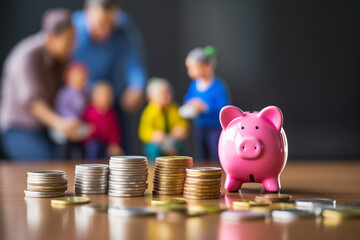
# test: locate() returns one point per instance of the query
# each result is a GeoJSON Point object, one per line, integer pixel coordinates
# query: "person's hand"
{"type": "Point", "coordinates": [132, 100]}
{"type": "Point", "coordinates": [179, 133]}
{"type": "Point", "coordinates": [115, 150]}
{"type": "Point", "coordinates": [70, 127]}
{"type": "Point", "coordinates": [158, 137]}
{"type": "Point", "coordinates": [198, 104]}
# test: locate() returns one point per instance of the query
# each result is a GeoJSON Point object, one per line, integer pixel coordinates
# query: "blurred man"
{"type": "Point", "coordinates": [109, 43]}
{"type": "Point", "coordinates": [32, 76]}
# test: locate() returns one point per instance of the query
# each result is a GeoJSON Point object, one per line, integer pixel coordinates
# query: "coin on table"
{"type": "Point", "coordinates": [350, 205]}
{"type": "Point", "coordinates": [208, 208]}
{"type": "Point", "coordinates": [47, 173]}
{"type": "Point", "coordinates": [132, 212]}
{"type": "Point", "coordinates": [282, 206]}
{"type": "Point", "coordinates": [341, 213]}
{"type": "Point", "coordinates": [95, 208]}
{"type": "Point", "coordinates": [273, 197]}
{"type": "Point", "coordinates": [70, 200]}
{"type": "Point", "coordinates": [314, 202]}
{"type": "Point", "coordinates": [167, 200]}
{"type": "Point", "coordinates": [243, 215]}
{"type": "Point", "coordinates": [291, 214]}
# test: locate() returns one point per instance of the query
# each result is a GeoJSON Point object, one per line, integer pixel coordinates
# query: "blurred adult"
{"type": "Point", "coordinates": [32, 75]}
{"type": "Point", "coordinates": [109, 43]}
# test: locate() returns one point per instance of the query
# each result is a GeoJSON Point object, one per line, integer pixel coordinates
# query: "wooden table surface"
{"type": "Point", "coordinates": [35, 218]}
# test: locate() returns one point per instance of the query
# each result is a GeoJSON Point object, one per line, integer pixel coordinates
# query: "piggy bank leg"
{"type": "Point", "coordinates": [272, 184]}
{"type": "Point", "coordinates": [232, 184]}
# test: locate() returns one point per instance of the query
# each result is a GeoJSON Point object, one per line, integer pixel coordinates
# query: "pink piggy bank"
{"type": "Point", "coordinates": [252, 147]}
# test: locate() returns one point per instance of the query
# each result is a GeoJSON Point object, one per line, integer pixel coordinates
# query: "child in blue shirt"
{"type": "Point", "coordinates": [206, 95]}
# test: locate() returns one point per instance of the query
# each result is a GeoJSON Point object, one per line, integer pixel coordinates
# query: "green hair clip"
{"type": "Point", "coordinates": [210, 51]}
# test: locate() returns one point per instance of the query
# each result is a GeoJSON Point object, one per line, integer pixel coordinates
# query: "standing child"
{"type": "Point", "coordinates": [206, 95]}
{"type": "Point", "coordinates": [105, 139]}
{"type": "Point", "coordinates": [161, 128]}
{"type": "Point", "coordinates": [70, 103]}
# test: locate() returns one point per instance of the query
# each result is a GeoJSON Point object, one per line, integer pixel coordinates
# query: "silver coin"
{"type": "Point", "coordinates": [126, 195]}
{"type": "Point", "coordinates": [43, 194]}
{"type": "Point", "coordinates": [291, 214]}
{"type": "Point", "coordinates": [132, 212]}
{"type": "Point", "coordinates": [243, 215]}
{"type": "Point", "coordinates": [95, 208]}
{"type": "Point", "coordinates": [128, 183]}
{"type": "Point", "coordinates": [41, 173]}
{"type": "Point", "coordinates": [92, 166]}
{"type": "Point", "coordinates": [350, 205]}
{"type": "Point", "coordinates": [127, 158]}
{"type": "Point", "coordinates": [314, 202]}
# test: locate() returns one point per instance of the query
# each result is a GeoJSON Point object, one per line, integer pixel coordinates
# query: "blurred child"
{"type": "Point", "coordinates": [105, 139]}
{"type": "Point", "coordinates": [161, 128]}
{"type": "Point", "coordinates": [70, 103]}
{"type": "Point", "coordinates": [206, 95]}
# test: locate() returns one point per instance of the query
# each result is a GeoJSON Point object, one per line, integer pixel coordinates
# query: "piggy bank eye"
{"type": "Point", "coordinates": [256, 127]}
{"type": "Point", "coordinates": [242, 128]}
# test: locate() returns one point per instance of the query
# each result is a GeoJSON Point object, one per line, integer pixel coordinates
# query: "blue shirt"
{"type": "Point", "coordinates": [215, 97]}
{"type": "Point", "coordinates": [119, 59]}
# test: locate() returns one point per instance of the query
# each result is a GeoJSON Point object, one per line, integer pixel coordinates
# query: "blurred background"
{"type": "Point", "coordinates": [302, 56]}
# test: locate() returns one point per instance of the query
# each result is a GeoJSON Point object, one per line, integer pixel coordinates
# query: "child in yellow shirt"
{"type": "Point", "coordinates": [161, 128]}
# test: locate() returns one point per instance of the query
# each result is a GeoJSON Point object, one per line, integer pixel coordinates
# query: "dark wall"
{"type": "Point", "coordinates": [302, 56]}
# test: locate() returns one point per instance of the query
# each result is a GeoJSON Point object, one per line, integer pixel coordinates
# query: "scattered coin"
{"type": "Point", "coordinates": [341, 213]}
{"type": "Point", "coordinates": [243, 215]}
{"type": "Point", "coordinates": [132, 212]}
{"type": "Point", "coordinates": [291, 214]}
{"type": "Point", "coordinates": [273, 197]}
{"type": "Point", "coordinates": [69, 200]}
{"type": "Point", "coordinates": [314, 202]}
{"type": "Point", "coordinates": [95, 208]}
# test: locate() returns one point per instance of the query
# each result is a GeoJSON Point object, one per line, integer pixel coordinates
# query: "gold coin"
{"type": "Point", "coordinates": [190, 197]}
{"type": "Point", "coordinates": [70, 200]}
{"type": "Point", "coordinates": [241, 204]}
{"type": "Point", "coordinates": [282, 206]}
{"type": "Point", "coordinates": [201, 194]}
{"type": "Point", "coordinates": [164, 200]}
{"type": "Point", "coordinates": [174, 158]}
{"type": "Point", "coordinates": [204, 208]}
{"type": "Point", "coordinates": [273, 197]}
{"type": "Point", "coordinates": [211, 190]}
{"type": "Point", "coordinates": [167, 192]}
{"type": "Point", "coordinates": [341, 213]}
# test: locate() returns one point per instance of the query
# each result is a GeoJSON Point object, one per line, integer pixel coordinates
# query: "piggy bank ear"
{"type": "Point", "coordinates": [273, 115]}
{"type": "Point", "coordinates": [229, 113]}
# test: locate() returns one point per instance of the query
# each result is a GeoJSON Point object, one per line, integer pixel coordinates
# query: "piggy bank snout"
{"type": "Point", "coordinates": [250, 148]}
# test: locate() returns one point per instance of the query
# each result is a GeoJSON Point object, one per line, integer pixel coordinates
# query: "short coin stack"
{"type": "Point", "coordinates": [46, 183]}
{"type": "Point", "coordinates": [128, 176]}
{"type": "Point", "coordinates": [202, 183]}
{"type": "Point", "coordinates": [169, 175]}
{"type": "Point", "coordinates": [91, 179]}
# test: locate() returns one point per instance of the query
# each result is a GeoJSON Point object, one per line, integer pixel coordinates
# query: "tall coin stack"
{"type": "Point", "coordinates": [202, 183]}
{"type": "Point", "coordinates": [46, 183]}
{"type": "Point", "coordinates": [91, 179]}
{"type": "Point", "coordinates": [169, 175]}
{"type": "Point", "coordinates": [128, 176]}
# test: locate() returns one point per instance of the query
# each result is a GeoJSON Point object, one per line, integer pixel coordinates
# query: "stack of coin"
{"type": "Point", "coordinates": [47, 183]}
{"type": "Point", "coordinates": [202, 183]}
{"type": "Point", "coordinates": [91, 179]}
{"type": "Point", "coordinates": [169, 175]}
{"type": "Point", "coordinates": [128, 176]}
